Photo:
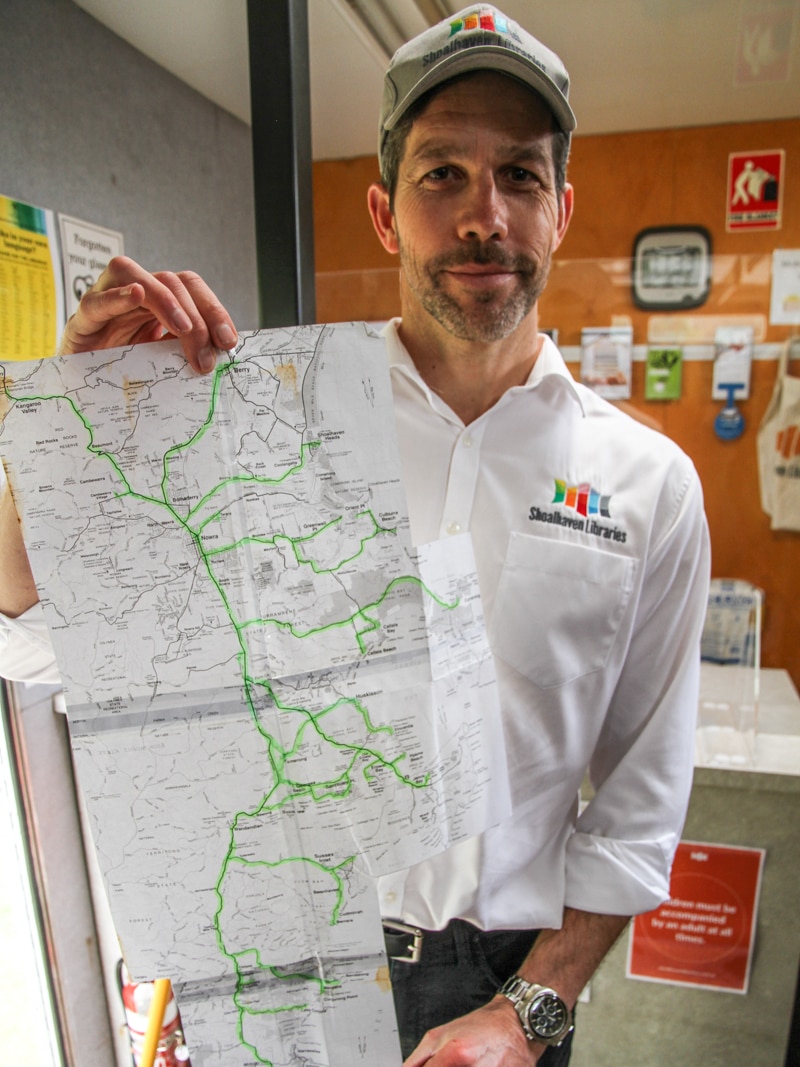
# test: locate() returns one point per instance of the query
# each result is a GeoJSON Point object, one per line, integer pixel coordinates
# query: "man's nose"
{"type": "Point", "coordinates": [483, 211]}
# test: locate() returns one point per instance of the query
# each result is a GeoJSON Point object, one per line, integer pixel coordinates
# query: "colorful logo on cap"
{"type": "Point", "coordinates": [483, 19]}
{"type": "Point", "coordinates": [582, 498]}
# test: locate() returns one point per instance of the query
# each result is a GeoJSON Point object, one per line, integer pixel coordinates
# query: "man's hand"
{"type": "Point", "coordinates": [563, 959]}
{"type": "Point", "coordinates": [492, 1036]}
{"type": "Point", "coordinates": [128, 305]}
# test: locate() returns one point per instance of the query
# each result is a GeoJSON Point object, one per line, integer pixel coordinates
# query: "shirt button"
{"type": "Point", "coordinates": [390, 897]}
{"type": "Point", "coordinates": [466, 442]}
{"type": "Point", "coordinates": [453, 528]}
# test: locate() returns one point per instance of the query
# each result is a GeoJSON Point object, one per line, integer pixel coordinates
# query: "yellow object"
{"type": "Point", "coordinates": [155, 1020]}
{"type": "Point", "coordinates": [28, 300]}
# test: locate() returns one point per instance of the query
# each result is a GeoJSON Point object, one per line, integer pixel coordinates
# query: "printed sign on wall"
{"type": "Point", "coordinates": [703, 935]}
{"type": "Point", "coordinates": [606, 354]}
{"type": "Point", "coordinates": [31, 292]}
{"type": "Point", "coordinates": [765, 34]}
{"type": "Point", "coordinates": [86, 249]}
{"type": "Point", "coordinates": [784, 305]}
{"type": "Point", "coordinates": [755, 190]}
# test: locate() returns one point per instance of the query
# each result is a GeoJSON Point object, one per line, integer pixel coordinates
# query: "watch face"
{"type": "Point", "coordinates": [547, 1015]}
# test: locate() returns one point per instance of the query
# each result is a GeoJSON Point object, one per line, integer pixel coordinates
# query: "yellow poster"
{"type": "Point", "coordinates": [31, 297]}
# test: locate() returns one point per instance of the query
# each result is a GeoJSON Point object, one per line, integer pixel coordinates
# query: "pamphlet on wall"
{"type": "Point", "coordinates": [663, 373]}
{"type": "Point", "coordinates": [31, 290]}
{"type": "Point", "coordinates": [733, 356]}
{"type": "Point", "coordinates": [784, 307]}
{"type": "Point", "coordinates": [85, 251]}
{"type": "Point", "coordinates": [606, 353]}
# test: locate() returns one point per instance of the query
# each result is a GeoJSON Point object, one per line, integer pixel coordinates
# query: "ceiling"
{"type": "Point", "coordinates": [634, 64]}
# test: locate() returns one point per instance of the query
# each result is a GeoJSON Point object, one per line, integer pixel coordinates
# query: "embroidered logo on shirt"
{"type": "Point", "coordinates": [584, 499]}
{"type": "Point", "coordinates": [586, 503]}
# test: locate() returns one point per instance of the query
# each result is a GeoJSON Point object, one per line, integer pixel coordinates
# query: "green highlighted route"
{"type": "Point", "coordinates": [248, 960]}
{"type": "Point", "coordinates": [360, 620]}
{"type": "Point", "coordinates": [308, 550]}
{"type": "Point", "coordinates": [293, 542]}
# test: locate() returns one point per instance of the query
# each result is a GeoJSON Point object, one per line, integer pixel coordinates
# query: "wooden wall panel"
{"type": "Point", "coordinates": [624, 183]}
{"type": "Point", "coordinates": [344, 238]}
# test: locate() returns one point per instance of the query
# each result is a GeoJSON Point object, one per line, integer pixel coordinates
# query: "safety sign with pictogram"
{"type": "Point", "coordinates": [755, 190]}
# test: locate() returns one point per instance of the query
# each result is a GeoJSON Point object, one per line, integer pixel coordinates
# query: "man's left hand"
{"type": "Point", "coordinates": [492, 1036]}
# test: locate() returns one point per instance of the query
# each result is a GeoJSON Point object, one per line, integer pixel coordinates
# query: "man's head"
{"type": "Point", "coordinates": [478, 38]}
{"type": "Point", "coordinates": [476, 215]}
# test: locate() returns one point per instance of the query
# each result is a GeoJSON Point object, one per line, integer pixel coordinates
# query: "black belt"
{"type": "Point", "coordinates": [409, 944]}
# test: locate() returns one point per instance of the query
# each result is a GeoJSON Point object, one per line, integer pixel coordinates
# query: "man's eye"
{"type": "Point", "coordinates": [439, 174]}
{"type": "Point", "coordinates": [520, 174]}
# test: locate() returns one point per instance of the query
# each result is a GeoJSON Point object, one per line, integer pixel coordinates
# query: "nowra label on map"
{"type": "Point", "coordinates": [273, 698]}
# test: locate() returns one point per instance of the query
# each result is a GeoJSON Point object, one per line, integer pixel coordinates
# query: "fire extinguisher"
{"type": "Point", "coordinates": [137, 998]}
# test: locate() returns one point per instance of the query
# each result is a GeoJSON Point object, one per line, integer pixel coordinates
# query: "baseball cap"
{"type": "Point", "coordinates": [478, 38]}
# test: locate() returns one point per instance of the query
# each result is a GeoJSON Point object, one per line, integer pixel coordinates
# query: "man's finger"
{"type": "Point", "coordinates": [127, 305]}
{"type": "Point", "coordinates": [219, 322]}
{"type": "Point", "coordinates": [210, 325]}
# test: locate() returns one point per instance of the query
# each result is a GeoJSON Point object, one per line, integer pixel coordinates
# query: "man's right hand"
{"type": "Point", "coordinates": [128, 305]}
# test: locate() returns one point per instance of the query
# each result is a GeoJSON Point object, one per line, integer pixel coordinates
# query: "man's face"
{"type": "Point", "coordinates": [476, 215]}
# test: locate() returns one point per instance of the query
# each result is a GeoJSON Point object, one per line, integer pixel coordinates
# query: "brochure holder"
{"type": "Point", "coordinates": [730, 680]}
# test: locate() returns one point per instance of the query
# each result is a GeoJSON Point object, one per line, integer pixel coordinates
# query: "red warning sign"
{"type": "Point", "coordinates": [703, 935]}
{"type": "Point", "coordinates": [755, 190]}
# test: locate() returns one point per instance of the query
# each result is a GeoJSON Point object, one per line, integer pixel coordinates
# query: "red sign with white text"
{"type": "Point", "coordinates": [703, 935]}
{"type": "Point", "coordinates": [755, 190]}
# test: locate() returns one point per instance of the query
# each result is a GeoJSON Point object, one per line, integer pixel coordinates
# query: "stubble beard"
{"type": "Point", "coordinates": [483, 316]}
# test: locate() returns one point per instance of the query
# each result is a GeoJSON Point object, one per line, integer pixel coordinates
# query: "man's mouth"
{"type": "Point", "coordinates": [483, 262]}
{"type": "Point", "coordinates": [480, 268]}
{"type": "Point", "coordinates": [482, 277]}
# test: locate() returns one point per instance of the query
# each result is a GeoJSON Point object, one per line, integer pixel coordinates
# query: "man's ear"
{"type": "Point", "coordinates": [565, 205]}
{"type": "Point", "coordinates": [382, 217]}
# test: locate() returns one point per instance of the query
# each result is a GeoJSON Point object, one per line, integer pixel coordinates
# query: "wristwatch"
{"type": "Point", "coordinates": [543, 1014]}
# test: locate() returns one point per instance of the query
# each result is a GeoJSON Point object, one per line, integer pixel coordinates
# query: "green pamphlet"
{"type": "Point", "coordinates": [662, 379]}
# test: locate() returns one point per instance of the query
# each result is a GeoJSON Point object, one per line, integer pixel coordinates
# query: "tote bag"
{"type": "Point", "coordinates": [779, 450]}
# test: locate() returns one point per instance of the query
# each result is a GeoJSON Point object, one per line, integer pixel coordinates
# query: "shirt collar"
{"type": "Point", "coordinates": [549, 364]}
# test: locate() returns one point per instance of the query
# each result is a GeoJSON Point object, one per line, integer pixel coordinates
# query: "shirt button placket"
{"type": "Point", "coordinates": [461, 483]}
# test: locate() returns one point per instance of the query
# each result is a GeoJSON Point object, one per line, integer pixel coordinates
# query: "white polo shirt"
{"type": "Point", "coordinates": [593, 560]}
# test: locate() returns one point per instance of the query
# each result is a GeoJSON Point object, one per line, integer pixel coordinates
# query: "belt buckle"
{"type": "Point", "coordinates": [414, 946]}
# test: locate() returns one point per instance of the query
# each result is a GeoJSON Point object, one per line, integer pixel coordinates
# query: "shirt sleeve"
{"type": "Point", "coordinates": [620, 856]}
{"type": "Point", "coordinates": [26, 654]}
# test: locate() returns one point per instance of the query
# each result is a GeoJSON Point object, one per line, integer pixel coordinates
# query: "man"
{"type": "Point", "coordinates": [589, 535]}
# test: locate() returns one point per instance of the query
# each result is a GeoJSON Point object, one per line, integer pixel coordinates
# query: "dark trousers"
{"type": "Point", "coordinates": [460, 970]}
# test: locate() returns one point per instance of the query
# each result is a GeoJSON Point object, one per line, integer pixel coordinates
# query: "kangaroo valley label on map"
{"type": "Point", "coordinates": [273, 697]}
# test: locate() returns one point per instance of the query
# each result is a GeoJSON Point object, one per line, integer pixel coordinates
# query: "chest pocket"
{"type": "Point", "coordinates": [558, 608]}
